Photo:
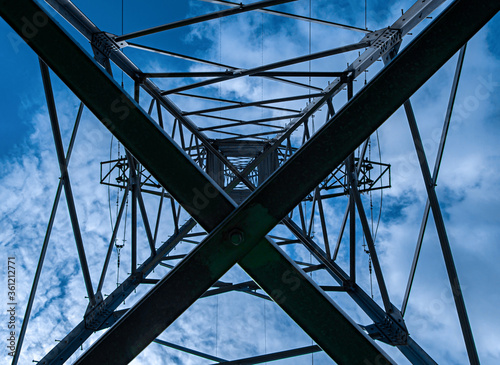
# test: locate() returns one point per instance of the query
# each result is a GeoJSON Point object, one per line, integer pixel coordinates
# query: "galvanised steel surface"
{"type": "Point", "coordinates": [326, 149]}
{"type": "Point", "coordinates": [236, 234]}
{"type": "Point", "coordinates": [202, 18]}
{"type": "Point", "coordinates": [341, 338]}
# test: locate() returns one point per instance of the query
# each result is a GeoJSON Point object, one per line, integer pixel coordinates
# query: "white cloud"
{"type": "Point", "coordinates": [467, 188]}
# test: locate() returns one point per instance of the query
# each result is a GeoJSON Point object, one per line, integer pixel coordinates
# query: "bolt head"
{"type": "Point", "coordinates": [236, 237]}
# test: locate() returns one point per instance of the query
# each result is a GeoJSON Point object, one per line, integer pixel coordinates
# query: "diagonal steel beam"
{"type": "Point", "coordinates": [202, 18]}
{"type": "Point", "coordinates": [274, 356]}
{"type": "Point", "coordinates": [259, 69]}
{"type": "Point", "coordinates": [255, 217]}
{"type": "Point", "coordinates": [244, 214]}
{"type": "Point", "coordinates": [45, 243]}
{"type": "Point", "coordinates": [271, 202]}
{"type": "Point", "coordinates": [391, 39]}
{"type": "Point", "coordinates": [435, 173]}
{"type": "Point", "coordinates": [189, 351]}
{"type": "Point", "coordinates": [54, 121]}
{"type": "Point", "coordinates": [443, 238]}
{"type": "Point", "coordinates": [194, 190]}
{"type": "Point", "coordinates": [294, 16]}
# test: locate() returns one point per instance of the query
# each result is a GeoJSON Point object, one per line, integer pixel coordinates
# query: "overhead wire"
{"type": "Point", "coordinates": [370, 268]}
{"type": "Point", "coordinates": [313, 128]}
{"type": "Point", "coordinates": [109, 188]}
{"type": "Point", "coordinates": [381, 190]}
{"type": "Point", "coordinates": [117, 245]}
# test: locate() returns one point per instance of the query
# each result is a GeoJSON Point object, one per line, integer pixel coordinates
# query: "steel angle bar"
{"type": "Point", "coordinates": [178, 55]}
{"type": "Point", "coordinates": [347, 211]}
{"type": "Point", "coordinates": [239, 123]}
{"type": "Point", "coordinates": [186, 74]}
{"type": "Point", "coordinates": [211, 63]}
{"type": "Point", "coordinates": [240, 104]}
{"type": "Point", "coordinates": [272, 200]}
{"type": "Point", "coordinates": [443, 238]}
{"type": "Point", "coordinates": [356, 199]}
{"type": "Point", "coordinates": [437, 165]}
{"type": "Point", "coordinates": [202, 18]}
{"type": "Point", "coordinates": [274, 356]}
{"type": "Point", "coordinates": [194, 190]}
{"type": "Point", "coordinates": [301, 73]}
{"type": "Point", "coordinates": [189, 351]}
{"type": "Point", "coordinates": [294, 16]}
{"type": "Point", "coordinates": [51, 106]}
{"type": "Point", "coordinates": [248, 287]}
{"type": "Point", "coordinates": [113, 239]}
{"type": "Point", "coordinates": [436, 62]}
{"type": "Point", "coordinates": [389, 38]}
{"type": "Point", "coordinates": [45, 244]}
{"type": "Point", "coordinates": [323, 222]}
{"type": "Point", "coordinates": [229, 73]}
{"type": "Point", "coordinates": [89, 30]}
{"type": "Point", "coordinates": [133, 212]}
{"type": "Point", "coordinates": [142, 206]}
{"type": "Point", "coordinates": [292, 61]}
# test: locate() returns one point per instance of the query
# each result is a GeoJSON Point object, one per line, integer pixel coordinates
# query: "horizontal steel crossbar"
{"type": "Point", "coordinates": [192, 188]}
{"type": "Point", "coordinates": [240, 235]}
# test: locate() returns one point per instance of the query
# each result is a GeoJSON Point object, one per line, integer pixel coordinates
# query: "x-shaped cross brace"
{"type": "Point", "coordinates": [237, 234]}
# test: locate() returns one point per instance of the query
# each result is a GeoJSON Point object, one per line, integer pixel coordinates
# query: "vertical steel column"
{"type": "Point", "coordinates": [65, 179]}
{"type": "Point", "coordinates": [352, 221]}
{"type": "Point", "coordinates": [349, 201]}
{"type": "Point", "coordinates": [443, 238]}
{"type": "Point", "coordinates": [135, 186]}
{"type": "Point", "coordinates": [349, 165]}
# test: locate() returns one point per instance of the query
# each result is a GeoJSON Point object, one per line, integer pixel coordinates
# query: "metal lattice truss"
{"type": "Point", "coordinates": [238, 179]}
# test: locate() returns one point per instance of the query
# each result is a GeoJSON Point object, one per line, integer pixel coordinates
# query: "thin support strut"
{"type": "Point", "coordinates": [202, 18]}
{"type": "Point", "coordinates": [252, 207]}
{"type": "Point", "coordinates": [295, 16]}
{"type": "Point", "coordinates": [441, 55]}
{"type": "Point", "coordinates": [113, 239]}
{"type": "Point", "coordinates": [443, 238]}
{"type": "Point", "coordinates": [51, 106]}
{"type": "Point", "coordinates": [45, 244]}
{"type": "Point", "coordinates": [437, 164]}
{"type": "Point", "coordinates": [240, 73]}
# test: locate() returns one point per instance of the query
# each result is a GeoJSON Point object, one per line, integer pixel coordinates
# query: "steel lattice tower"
{"type": "Point", "coordinates": [204, 181]}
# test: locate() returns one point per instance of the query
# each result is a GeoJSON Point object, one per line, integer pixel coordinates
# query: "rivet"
{"type": "Point", "coordinates": [236, 236]}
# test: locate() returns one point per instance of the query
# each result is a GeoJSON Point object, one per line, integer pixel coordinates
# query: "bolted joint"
{"type": "Point", "coordinates": [236, 236]}
{"type": "Point", "coordinates": [389, 331]}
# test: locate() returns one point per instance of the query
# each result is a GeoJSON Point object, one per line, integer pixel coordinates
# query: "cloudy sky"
{"type": "Point", "coordinates": [238, 325]}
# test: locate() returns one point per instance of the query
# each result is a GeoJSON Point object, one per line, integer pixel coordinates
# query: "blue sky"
{"type": "Point", "coordinates": [236, 324]}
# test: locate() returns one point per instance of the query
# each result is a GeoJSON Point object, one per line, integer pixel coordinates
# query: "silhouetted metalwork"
{"type": "Point", "coordinates": [239, 178]}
